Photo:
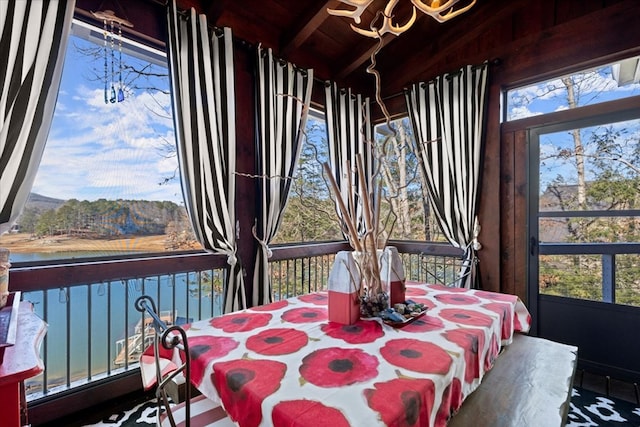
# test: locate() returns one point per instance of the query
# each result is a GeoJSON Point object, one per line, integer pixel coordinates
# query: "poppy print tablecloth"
{"type": "Point", "coordinates": [286, 364]}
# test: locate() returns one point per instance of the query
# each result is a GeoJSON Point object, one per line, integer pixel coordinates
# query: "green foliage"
{"type": "Point", "coordinates": [103, 218]}
{"type": "Point", "coordinates": [207, 284]}
{"type": "Point", "coordinates": [611, 155]}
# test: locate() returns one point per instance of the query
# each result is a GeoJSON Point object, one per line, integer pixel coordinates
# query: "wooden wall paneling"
{"type": "Point", "coordinates": [246, 164]}
{"type": "Point", "coordinates": [425, 59]}
{"type": "Point", "coordinates": [573, 45]}
{"type": "Point", "coordinates": [488, 215]}
{"type": "Point", "coordinates": [521, 239]}
{"type": "Point", "coordinates": [507, 212]}
{"type": "Point", "coordinates": [567, 10]}
{"type": "Point", "coordinates": [534, 18]}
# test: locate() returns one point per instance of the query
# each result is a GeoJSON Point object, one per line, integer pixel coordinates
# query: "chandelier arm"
{"type": "Point", "coordinates": [359, 5]}
{"type": "Point", "coordinates": [387, 23]}
{"type": "Point", "coordinates": [429, 9]}
{"type": "Point", "coordinates": [436, 12]}
{"type": "Point", "coordinates": [453, 14]}
{"type": "Point", "coordinates": [440, 12]}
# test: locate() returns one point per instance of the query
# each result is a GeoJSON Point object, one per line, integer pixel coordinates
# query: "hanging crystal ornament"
{"type": "Point", "coordinates": [113, 73]}
{"type": "Point", "coordinates": [104, 33]}
{"type": "Point", "coordinates": [113, 86]}
{"type": "Point", "coordinates": [120, 90]}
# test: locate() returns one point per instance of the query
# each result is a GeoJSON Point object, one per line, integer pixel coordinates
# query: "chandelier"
{"type": "Point", "coordinates": [441, 11]}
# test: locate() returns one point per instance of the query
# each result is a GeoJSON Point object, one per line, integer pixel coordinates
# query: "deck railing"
{"type": "Point", "coordinates": [295, 272]}
{"type": "Point", "coordinates": [95, 335]}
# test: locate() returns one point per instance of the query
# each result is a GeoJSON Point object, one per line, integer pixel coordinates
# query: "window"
{"type": "Point", "coordinates": [584, 183]}
{"type": "Point", "coordinates": [404, 191]}
{"type": "Point", "coordinates": [609, 82]}
{"type": "Point", "coordinates": [588, 212]}
{"type": "Point", "coordinates": [310, 214]}
{"type": "Point", "coordinates": [108, 182]}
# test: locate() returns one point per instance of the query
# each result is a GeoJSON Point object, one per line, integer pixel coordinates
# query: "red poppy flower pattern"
{"type": "Point", "coordinates": [439, 287]}
{"type": "Point", "coordinates": [274, 306]}
{"type": "Point", "coordinates": [241, 322]}
{"type": "Point", "coordinates": [505, 311]}
{"type": "Point", "coordinates": [361, 332]}
{"type": "Point", "coordinates": [418, 356]}
{"type": "Point", "coordinates": [493, 296]}
{"type": "Point", "coordinates": [457, 299]}
{"type": "Point", "coordinates": [466, 317]}
{"type": "Point", "coordinates": [205, 348]}
{"type": "Point", "coordinates": [494, 350]}
{"type": "Point", "coordinates": [424, 323]}
{"type": "Point", "coordinates": [338, 367]}
{"type": "Point", "coordinates": [450, 403]}
{"type": "Point", "coordinates": [472, 342]}
{"type": "Point", "coordinates": [317, 298]}
{"type": "Point", "coordinates": [305, 412]}
{"type": "Point", "coordinates": [277, 341]}
{"type": "Point", "coordinates": [413, 291]}
{"type": "Point", "coordinates": [305, 315]}
{"type": "Point", "coordinates": [244, 384]}
{"type": "Point", "coordinates": [284, 363]}
{"type": "Point", "coordinates": [402, 401]}
{"type": "Point", "coordinates": [522, 322]}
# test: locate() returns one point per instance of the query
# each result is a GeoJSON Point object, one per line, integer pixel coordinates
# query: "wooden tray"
{"type": "Point", "coordinates": [406, 321]}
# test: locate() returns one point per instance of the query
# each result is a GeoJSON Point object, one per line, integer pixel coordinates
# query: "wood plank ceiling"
{"type": "Point", "coordinates": [304, 33]}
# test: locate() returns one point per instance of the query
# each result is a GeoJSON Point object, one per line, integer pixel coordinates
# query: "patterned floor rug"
{"type": "Point", "coordinates": [588, 409]}
{"type": "Point", "coordinates": [143, 414]}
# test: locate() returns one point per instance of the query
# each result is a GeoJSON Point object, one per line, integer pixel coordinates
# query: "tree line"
{"type": "Point", "coordinates": [103, 218]}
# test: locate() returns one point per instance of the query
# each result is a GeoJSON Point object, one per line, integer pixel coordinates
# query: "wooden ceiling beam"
{"type": "Point", "coordinates": [358, 61]}
{"type": "Point", "coordinates": [306, 25]}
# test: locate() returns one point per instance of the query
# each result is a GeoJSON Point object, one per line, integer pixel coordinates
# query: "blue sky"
{"type": "Point", "coordinates": [112, 151]}
{"type": "Point", "coordinates": [595, 86]}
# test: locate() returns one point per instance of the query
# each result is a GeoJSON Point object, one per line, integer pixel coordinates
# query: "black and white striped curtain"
{"type": "Point", "coordinates": [33, 43]}
{"type": "Point", "coordinates": [283, 97]}
{"type": "Point", "coordinates": [203, 95]}
{"type": "Point", "coordinates": [349, 134]}
{"type": "Point", "coordinates": [447, 115]}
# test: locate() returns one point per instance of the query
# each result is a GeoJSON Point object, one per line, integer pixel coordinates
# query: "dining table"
{"type": "Point", "coordinates": [286, 364]}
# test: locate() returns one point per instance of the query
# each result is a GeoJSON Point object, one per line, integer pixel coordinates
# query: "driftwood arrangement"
{"type": "Point", "coordinates": [367, 240]}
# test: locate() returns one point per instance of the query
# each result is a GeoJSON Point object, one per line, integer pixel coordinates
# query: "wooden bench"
{"type": "Point", "coordinates": [529, 385]}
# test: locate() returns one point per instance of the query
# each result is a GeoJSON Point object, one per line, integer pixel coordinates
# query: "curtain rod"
{"type": "Point", "coordinates": [241, 42]}
{"type": "Point", "coordinates": [494, 62]}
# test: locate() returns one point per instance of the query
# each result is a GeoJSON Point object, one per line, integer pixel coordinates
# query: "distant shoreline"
{"type": "Point", "coordinates": [25, 243]}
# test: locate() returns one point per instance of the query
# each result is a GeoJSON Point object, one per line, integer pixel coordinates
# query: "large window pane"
{"type": "Point", "coordinates": [310, 214]}
{"type": "Point", "coordinates": [605, 83]}
{"type": "Point", "coordinates": [406, 196]}
{"type": "Point", "coordinates": [108, 182]}
{"type": "Point", "coordinates": [592, 168]}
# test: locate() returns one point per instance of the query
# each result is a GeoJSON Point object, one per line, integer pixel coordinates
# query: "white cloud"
{"type": "Point", "coordinates": [591, 87]}
{"type": "Point", "coordinates": [521, 113]}
{"type": "Point", "coordinates": [97, 150]}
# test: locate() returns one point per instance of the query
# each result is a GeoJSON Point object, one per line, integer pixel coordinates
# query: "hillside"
{"type": "Point", "coordinates": [40, 202]}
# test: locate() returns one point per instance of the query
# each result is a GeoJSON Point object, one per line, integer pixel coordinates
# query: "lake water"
{"type": "Point", "coordinates": [99, 315]}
